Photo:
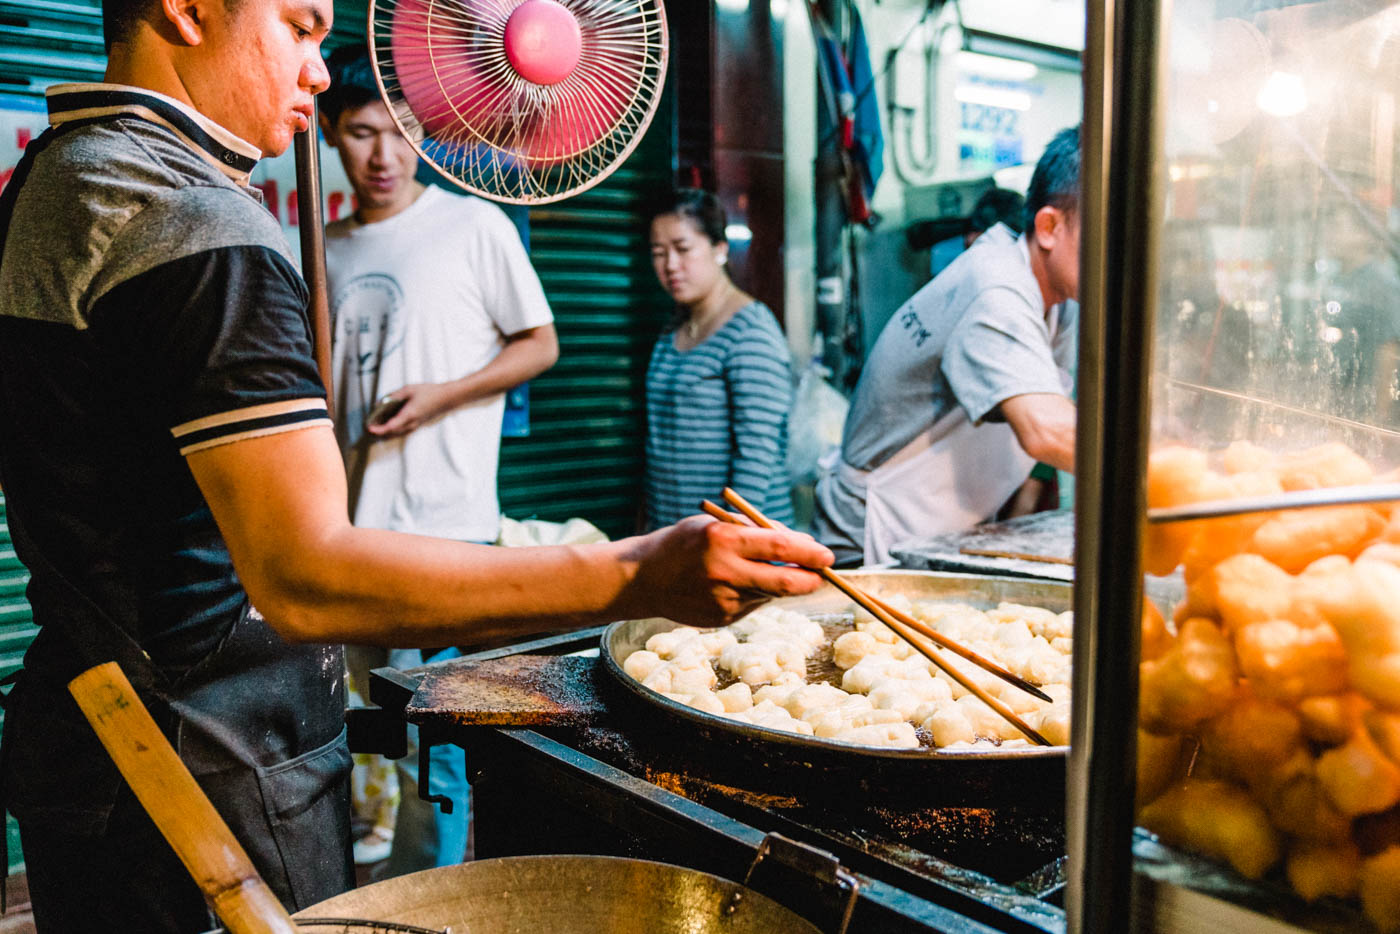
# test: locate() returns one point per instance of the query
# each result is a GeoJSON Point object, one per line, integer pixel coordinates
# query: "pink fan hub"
{"type": "Point", "coordinates": [543, 41]}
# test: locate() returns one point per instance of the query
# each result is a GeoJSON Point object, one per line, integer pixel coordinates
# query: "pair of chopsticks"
{"type": "Point", "coordinates": [905, 626]}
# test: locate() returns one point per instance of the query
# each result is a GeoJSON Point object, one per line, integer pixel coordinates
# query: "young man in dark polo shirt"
{"type": "Point", "coordinates": [166, 458]}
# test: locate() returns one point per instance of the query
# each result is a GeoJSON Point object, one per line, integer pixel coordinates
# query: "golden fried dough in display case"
{"type": "Point", "coordinates": [1269, 707]}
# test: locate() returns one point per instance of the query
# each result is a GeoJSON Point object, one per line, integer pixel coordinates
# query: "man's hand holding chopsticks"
{"type": "Point", "coordinates": [707, 573]}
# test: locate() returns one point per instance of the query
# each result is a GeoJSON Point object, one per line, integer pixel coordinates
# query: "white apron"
{"type": "Point", "coordinates": [949, 478]}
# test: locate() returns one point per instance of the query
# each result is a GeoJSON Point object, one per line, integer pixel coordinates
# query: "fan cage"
{"type": "Point", "coordinates": [504, 140]}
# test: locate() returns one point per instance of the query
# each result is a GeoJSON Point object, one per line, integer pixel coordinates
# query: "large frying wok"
{"type": "Point", "coordinates": [565, 895]}
{"type": "Point", "coordinates": [758, 757]}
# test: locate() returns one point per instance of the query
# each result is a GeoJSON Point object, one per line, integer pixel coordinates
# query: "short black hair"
{"type": "Point", "coordinates": [1056, 179]}
{"type": "Point", "coordinates": [352, 81]}
{"type": "Point", "coordinates": [120, 18]}
{"type": "Point", "coordinates": [700, 206]}
{"type": "Point", "coordinates": [997, 206]}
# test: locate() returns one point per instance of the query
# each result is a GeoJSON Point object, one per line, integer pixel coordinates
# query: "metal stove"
{"type": "Point", "coordinates": [619, 783]}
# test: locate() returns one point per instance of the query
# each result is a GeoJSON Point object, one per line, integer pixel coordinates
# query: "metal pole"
{"type": "Point", "coordinates": [313, 249]}
{"type": "Point", "coordinates": [1121, 138]}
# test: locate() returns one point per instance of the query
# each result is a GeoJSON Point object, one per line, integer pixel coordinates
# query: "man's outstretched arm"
{"type": "Point", "coordinates": [1044, 424]}
{"type": "Point", "coordinates": [279, 501]}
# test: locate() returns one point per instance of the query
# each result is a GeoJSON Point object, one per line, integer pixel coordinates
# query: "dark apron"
{"type": "Point", "coordinates": [259, 721]}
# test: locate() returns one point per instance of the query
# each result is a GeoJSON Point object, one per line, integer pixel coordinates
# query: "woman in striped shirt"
{"type": "Point", "coordinates": [719, 386]}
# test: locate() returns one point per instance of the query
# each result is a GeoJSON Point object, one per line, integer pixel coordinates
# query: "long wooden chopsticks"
{"type": "Point", "coordinates": [918, 625]}
{"type": "Point", "coordinates": [893, 619]}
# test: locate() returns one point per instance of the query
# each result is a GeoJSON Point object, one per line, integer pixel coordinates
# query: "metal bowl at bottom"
{"type": "Point", "coordinates": [566, 895]}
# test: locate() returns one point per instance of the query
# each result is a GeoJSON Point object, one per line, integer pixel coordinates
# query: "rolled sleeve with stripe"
{"type": "Point", "coordinates": [225, 343]}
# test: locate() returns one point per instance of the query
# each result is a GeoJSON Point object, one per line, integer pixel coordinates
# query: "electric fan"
{"type": "Point", "coordinates": [523, 101]}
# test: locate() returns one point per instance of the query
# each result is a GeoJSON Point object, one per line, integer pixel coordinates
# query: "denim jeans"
{"type": "Point", "coordinates": [424, 836]}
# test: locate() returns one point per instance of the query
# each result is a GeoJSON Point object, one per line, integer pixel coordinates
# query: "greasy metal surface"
{"type": "Point", "coordinates": [518, 690]}
{"type": "Point", "coordinates": [623, 638]}
{"type": "Point", "coordinates": [567, 895]}
{"type": "Point", "coordinates": [1045, 533]}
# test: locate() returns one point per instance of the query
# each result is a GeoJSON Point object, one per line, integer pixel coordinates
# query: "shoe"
{"type": "Point", "coordinates": [373, 847]}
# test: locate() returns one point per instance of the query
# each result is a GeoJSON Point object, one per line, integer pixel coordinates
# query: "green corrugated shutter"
{"type": "Point", "coordinates": [351, 17]}
{"type": "Point", "coordinates": [41, 43]}
{"type": "Point", "coordinates": [16, 630]}
{"type": "Point", "coordinates": [584, 454]}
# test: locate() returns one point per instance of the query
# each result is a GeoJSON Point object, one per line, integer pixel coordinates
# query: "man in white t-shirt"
{"type": "Point", "coordinates": [438, 313]}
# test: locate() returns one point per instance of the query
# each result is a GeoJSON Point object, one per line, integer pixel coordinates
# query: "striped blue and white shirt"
{"type": "Point", "coordinates": [717, 416]}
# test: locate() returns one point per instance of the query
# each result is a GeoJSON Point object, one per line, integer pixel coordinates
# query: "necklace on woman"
{"type": "Point", "coordinates": [697, 325]}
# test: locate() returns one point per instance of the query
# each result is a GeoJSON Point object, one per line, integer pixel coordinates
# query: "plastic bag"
{"type": "Point", "coordinates": [815, 424]}
{"type": "Point", "coordinates": [517, 534]}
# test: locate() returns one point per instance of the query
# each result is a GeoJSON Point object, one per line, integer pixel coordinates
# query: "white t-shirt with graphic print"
{"type": "Point", "coordinates": [426, 296]}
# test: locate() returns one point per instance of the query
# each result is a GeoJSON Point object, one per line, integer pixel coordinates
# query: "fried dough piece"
{"type": "Point", "coordinates": [1192, 682]}
{"type": "Point", "coordinates": [1315, 869]}
{"type": "Point", "coordinates": [1247, 457]}
{"type": "Point", "coordinates": [1156, 637]}
{"type": "Point", "coordinates": [1287, 662]}
{"type": "Point", "coordinates": [1384, 729]}
{"type": "Point", "coordinates": [1326, 465]}
{"type": "Point", "coordinates": [1175, 476]}
{"type": "Point", "coordinates": [1218, 820]}
{"type": "Point", "coordinates": [641, 663]}
{"type": "Point", "coordinates": [1380, 889]}
{"type": "Point", "coordinates": [1293, 540]}
{"type": "Point", "coordinates": [1161, 761]}
{"type": "Point", "coordinates": [1252, 735]}
{"type": "Point", "coordinates": [736, 698]}
{"type": "Point", "coordinates": [1298, 804]}
{"type": "Point", "coordinates": [1217, 539]}
{"type": "Point", "coordinates": [1240, 590]}
{"type": "Point", "coordinates": [667, 645]}
{"type": "Point", "coordinates": [1358, 777]}
{"type": "Point", "coordinates": [1363, 603]}
{"type": "Point", "coordinates": [1329, 719]}
{"type": "Point", "coordinates": [1382, 551]}
{"type": "Point", "coordinates": [1053, 723]}
{"type": "Point", "coordinates": [851, 647]}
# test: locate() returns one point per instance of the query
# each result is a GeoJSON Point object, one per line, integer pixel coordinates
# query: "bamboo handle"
{"type": "Point", "coordinates": [177, 804]}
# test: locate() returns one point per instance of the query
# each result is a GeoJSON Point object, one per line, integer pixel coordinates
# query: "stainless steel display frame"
{"type": "Point", "coordinates": [1120, 139]}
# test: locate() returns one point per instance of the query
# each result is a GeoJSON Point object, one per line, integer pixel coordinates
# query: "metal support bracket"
{"type": "Point", "coordinates": [809, 860]}
{"type": "Point", "coordinates": [426, 741]}
{"type": "Point", "coordinates": [380, 727]}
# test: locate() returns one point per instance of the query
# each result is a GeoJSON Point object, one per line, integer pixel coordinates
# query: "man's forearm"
{"type": "Point", "coordinates": [524, 357]}
{"type": "Point", "coordinates": [375, 587]}
{"type": "Point", "coordinates": [279, 501]}
{"type": "Point", "coordinates": [1045, 427]}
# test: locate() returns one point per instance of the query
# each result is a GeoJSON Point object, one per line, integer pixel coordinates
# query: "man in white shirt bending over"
{"type": "Point", "coordinates": [968, 384]}
{"type": "Point", "coordinates": [437, 314]}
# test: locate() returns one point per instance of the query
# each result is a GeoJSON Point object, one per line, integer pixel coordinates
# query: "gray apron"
{"type": "Point", "coordinates": [259, 721]}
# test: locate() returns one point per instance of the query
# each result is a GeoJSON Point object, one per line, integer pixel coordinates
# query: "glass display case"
{"type": "Point", "coordinates": [1241, 341]}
